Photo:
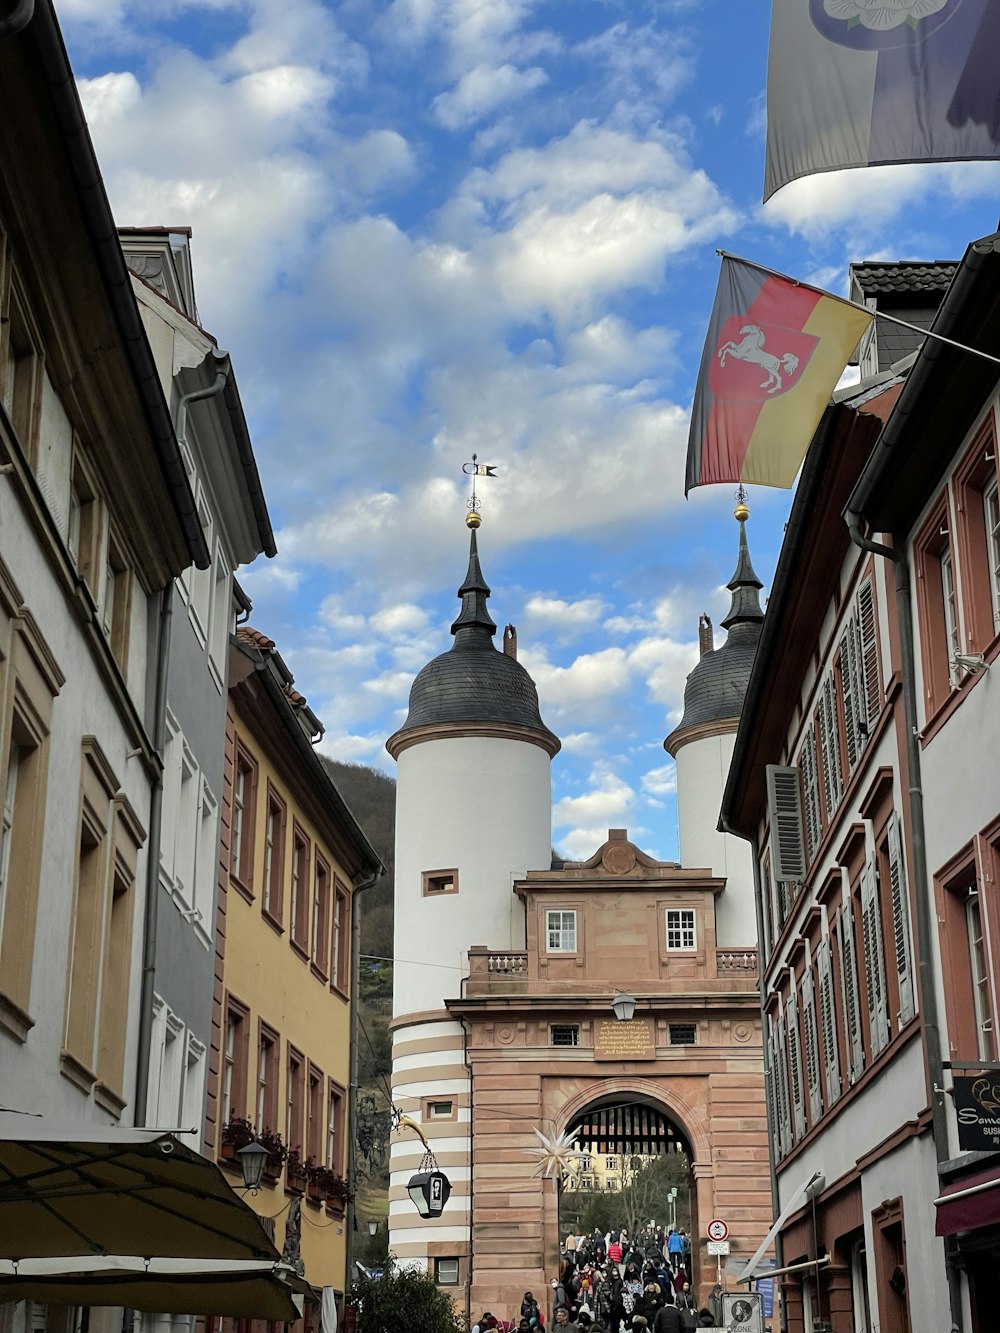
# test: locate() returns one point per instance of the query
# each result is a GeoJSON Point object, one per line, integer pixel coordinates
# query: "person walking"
{"type": "Point", "coordinates": [675, 1249]}
{"type": "Point", "coordinates": [668, 1317]}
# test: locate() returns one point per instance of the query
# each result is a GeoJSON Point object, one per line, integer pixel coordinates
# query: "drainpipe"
{"type": "Point", "coordinates": [352, 1088]}
{"type": "Point", "coordinates": [149, 925]}
{"type": "Point", "coordinates": [759, 908]}
{"type": "Point", "coordinates": [472, 1187]}
{"type": "Point", "coordinates": [933, 1061]}
{"type": "Point", "coordinates": [21, 16]}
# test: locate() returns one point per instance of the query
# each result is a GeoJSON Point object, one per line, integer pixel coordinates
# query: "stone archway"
{"type": "Point", "coordinates": [672, 1121]}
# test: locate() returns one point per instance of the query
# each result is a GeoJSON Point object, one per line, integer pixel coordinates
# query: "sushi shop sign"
{"type": "Point", "coordinates": [977, 1108]}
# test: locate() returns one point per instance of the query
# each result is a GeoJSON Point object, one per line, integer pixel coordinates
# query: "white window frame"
{"type": "Point", "coordinates": [6, 833]}
{"type": "Point", "coordinates": [991, 516]}
{"type": "Point", "coordinates": [561, 934]}
{"type": "Point", "coordinates": [684, 930]}
{"type": "Point", "coordinates": [980, 976]}
{"type": "Point", "coordinates": [949, 596]}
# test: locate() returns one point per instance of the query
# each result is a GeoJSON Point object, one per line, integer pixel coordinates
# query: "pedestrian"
{"type": "Point", "coordinates": [486, 1323]}
{"type": "Point", "coordinates": [705, 1318]}
{"type": "Point", "coordinates": [715, 1305]}
{"type": "Point", "coordinates": [675, 1249]}
{"type": "Point", "coordinates": [529, 1306]}
{"type": "Point", "coordinates": [668, 1317]}
{"type": "Point", "coordinates": [679, 1281]}
{"type": "Point", "coordinates": [559, 1296]}
{"type": "Point", "coordinates": [563, 1321]}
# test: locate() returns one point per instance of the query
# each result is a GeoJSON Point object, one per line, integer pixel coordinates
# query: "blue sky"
{"type": "Point", "coordinates": [426, 228]}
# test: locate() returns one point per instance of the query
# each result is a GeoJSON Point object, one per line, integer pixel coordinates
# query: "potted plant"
{"type": "Point", "coordinates": [334, 1188]}
{"type": "Point", "coordinates": [315, 1184]}
{"type": "Point", "coordinates": [277, 1152]}
{"type": "Point", "coordinates": [295, 1171]}
{"type": "Point", "coordinates": [236, 1134]}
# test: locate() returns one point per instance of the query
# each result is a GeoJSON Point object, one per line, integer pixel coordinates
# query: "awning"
{"type": "Point", "coordinates": [67, 1190]}
{"type": "Point", "coordinates": [973, 1201]}
{"type": "Point", "coordinates": [133, 1217]}
{"type": "Point", "coordinates": [165, 1286]}
{"type": "Point", "coordinates": [794, 1201]}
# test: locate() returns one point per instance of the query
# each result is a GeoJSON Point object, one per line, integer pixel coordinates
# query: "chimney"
{"type": "Point", "coordinates": [705, 641]}
{"type": "Point", "coordinates": [510, 641]}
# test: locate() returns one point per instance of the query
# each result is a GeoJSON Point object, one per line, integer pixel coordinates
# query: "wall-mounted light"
{"type": "Point", "coordinates": [624, 1006]}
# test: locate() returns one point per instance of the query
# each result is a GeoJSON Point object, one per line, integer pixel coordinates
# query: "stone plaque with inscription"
{"type": "Point", "coordinates": [625, 1041]}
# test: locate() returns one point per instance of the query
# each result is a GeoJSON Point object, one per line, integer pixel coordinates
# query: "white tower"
{"type": "Point", "coordinates": [473, 813]}
{"type": "Point", "coordinates": [702, 747]}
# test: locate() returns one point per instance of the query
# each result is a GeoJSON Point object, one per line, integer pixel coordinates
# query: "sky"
{"type": "Point", "coordinates": [431, 228]}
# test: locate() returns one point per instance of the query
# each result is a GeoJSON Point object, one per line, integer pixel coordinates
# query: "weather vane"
{"type": "Point", "coordinates": [476, 469]}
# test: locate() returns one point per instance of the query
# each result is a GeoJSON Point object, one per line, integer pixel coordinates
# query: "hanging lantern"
{"type": "Point", "coordinates": [429, 1191]}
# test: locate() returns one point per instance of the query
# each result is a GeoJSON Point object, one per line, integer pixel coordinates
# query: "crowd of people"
{"type": "Point", "coordinates": [608, 1283]}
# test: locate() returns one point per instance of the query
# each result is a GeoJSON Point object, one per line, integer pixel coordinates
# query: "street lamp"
{"type": "Point", "coordinates": [624, 1006]}
{"type": "Point", "coordinates": [252, 1158]}
{"type": "Point", "coordinates": [429, 1191]}
{"type": "Point", "coordinates": [373, 1226]}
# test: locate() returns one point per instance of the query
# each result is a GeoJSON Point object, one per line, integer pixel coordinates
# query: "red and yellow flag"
{"type": "Point", "coordinates": [774, 352]}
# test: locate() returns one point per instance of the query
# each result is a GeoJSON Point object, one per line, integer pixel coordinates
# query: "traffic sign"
{"type": "Point", "coordinates": [718, 1247]}
{"type": "Point", "coordinates": [717, 1229]}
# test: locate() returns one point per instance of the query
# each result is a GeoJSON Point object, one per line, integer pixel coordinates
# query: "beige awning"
{"type": "Point", "coordinates": [66, 1190]}
{"type": "Point", "coordinates": [163, 1286]}
{"type": "Point", "coordinates": [108, 1216]}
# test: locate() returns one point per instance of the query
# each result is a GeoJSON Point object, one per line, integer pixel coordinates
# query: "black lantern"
{"type": "Point", "coordinates": [624, 1006]}
{"type": "Point", "coordinates": [428, 1191]}
{"type": "Point", "coordinates": [252, 1159]}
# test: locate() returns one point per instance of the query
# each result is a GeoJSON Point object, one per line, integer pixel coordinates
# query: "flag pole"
{"type": "Point", "coordinates": [856, 305]}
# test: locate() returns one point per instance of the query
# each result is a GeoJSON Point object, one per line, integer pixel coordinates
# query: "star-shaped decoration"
{"type": "Point", "coordinates": [556, 1154]}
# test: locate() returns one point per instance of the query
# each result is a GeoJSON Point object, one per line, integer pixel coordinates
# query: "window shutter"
{"type": "Point", "coordinates": [828, 1021]}
{"type": "Point", "coordinates": [869, 654]}
{"type": "Point", "coordinates": [849, 992]}
{"type": "Point", "coordinates": [871, 929]}
{"type": "Point", "coordinates": [781, 1085]}
{"type": "Point", "coordinates": [810, 786]}
{"type": "Point", "coordinates": [784, 813]}
{"type": "Point", "coordinates": [767, 906]}
{"type": "Point", "coordinates": [795, 1066]}
{"type": "Point", "coordinates": [901, 923]}
{"type": "Point", "coordinates": [814, 1079]}
{"type": "Point", "coordinates": [829, 734]}
{"type": "Point", "coordinates": [770, 1079]}
{"type": "Point", "coordinates": [855, 721]}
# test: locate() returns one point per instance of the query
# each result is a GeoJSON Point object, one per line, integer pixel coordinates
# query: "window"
{"type": "Point", "coordinates": [20, 386]}
{"type": "Point", "coordinates": [202, 580]}
{"type": "Point", "coordinates": [683, 1034]}
{"type": "Point", "coordinates": [564, 1034]}
{"type": "Point", "coordinates": [446, 1272]}
{"type": "Point", "coordinates": [334, 1128]}
{"type": "Point", "coordinates": [233, 1076]}
{"type": "Point", "coordinates": [829, 745]}
{"type": "Point", "coordinates": [100, 961]}
{"type": "Point", "coordinates": [244, 807]}
{"type": "Point", "coordinates": [300, 889]}
{"type": "Point", "coordinates": [321, 917]}
{"type": "Point", "coordinates": [116, 606]}
{"type": "Point", "coordinates": [967, 941]}
{"type": "Point", "coordinates": [810, 791]}
{"type": "Point", "coordinates": [439, 881]}
{"type": "Point", "coordinates": [611, 1163]}
{"type": "Point", "coordinates": [991, 518]}
{"type": "Point", "coordinates": [176, 1086]}
{"type": "Point", "coordinates": [221, 616]}
{"type": "Point", "coordinates": [560, 930]}
{"type": "Point", "coordinates": [341, 949]}
{"type": "Point", "coordinates": [680, 929]}
{"type": "Point", "coordinates": [977, 539]}
{"type": "Point", "coordinates": [440, 1110]}
{"type": "Point", "coordinates": [315, 1144]}
{"type": "Point", "coordinates": [274, 857]}
{"type": "Point", "coordinates": [206, 857]}
{"type": "Point", "coordinates": [266, 1106]}
{"type": "Point", "coordinates": [294, 1100]}
{"type": "Point", "coordinates": [83, 532]}
{"type": "Point", "coordinates": [937, 606]}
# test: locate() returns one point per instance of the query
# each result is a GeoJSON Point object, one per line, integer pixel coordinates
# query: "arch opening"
{"type": "Point", "coordinates": [634, 1172]}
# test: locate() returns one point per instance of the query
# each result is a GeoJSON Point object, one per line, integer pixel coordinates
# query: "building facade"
{"type": "Point", "coordinates": [865, 777]}
{"type": "Point", "coordinates": [506, 964]}
{"type": "Point", "coordinates": [291, 860]}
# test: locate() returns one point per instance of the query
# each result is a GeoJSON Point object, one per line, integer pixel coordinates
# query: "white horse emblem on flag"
{"type": "Point", "coordinates": [751, 348]}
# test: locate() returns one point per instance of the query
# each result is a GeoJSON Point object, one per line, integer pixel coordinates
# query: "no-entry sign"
{"type": "Point", "coordinates": [717, 1229]}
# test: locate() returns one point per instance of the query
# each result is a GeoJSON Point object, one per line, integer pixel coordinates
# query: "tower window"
{"type": "Point", "coordinates": [435, 882]}
{"type": "Point", "coordinates": [564, 1034]}
{"type": "Point", "coordinates": [560, 931]}
{"type": "Point", "coordinates": [446, 1272]}
{"type": "Point", "coordinates": [682, 1034]}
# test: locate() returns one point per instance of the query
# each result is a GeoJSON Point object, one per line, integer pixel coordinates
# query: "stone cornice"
{"type": "Point", "coordinates": [682, 736]}
{"type": "Point", "coordinates": [508, 731]}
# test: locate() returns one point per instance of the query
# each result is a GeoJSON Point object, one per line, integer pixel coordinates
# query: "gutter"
{"type": "Point", "coordinates": [96, 211]}
{"type": "Point", "coordinates": [351, 1219]}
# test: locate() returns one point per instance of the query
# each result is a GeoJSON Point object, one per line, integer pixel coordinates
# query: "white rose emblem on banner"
{"type": "Point", "coordinates": [881, 15]}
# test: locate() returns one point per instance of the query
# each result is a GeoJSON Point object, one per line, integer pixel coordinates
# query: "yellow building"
{"type": "Point", "coordinates": [291, 860]}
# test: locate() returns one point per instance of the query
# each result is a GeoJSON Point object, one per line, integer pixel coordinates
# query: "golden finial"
{"type": "Point", "coordinates": [742, 511]}
{"type": "Point", "coordinates": [473, 518]}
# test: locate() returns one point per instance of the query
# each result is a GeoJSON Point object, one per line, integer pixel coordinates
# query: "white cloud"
{"type": "Point", "coordinates": [403, 619]}
{"type": "Point", "coordinates": [590, 679]}
{"type": "Point", "coordinates": [481, 91]}
{"type": "Point", "coordinates": [660, 781]}
{"type": "Point", "coordinates": [604, 805]}
{"type": "Point", "coordinates": [554, 615]}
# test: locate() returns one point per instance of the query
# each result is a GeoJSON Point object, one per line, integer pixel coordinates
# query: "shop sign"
{"type": "Point", "coordinates": [977, 1108]}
